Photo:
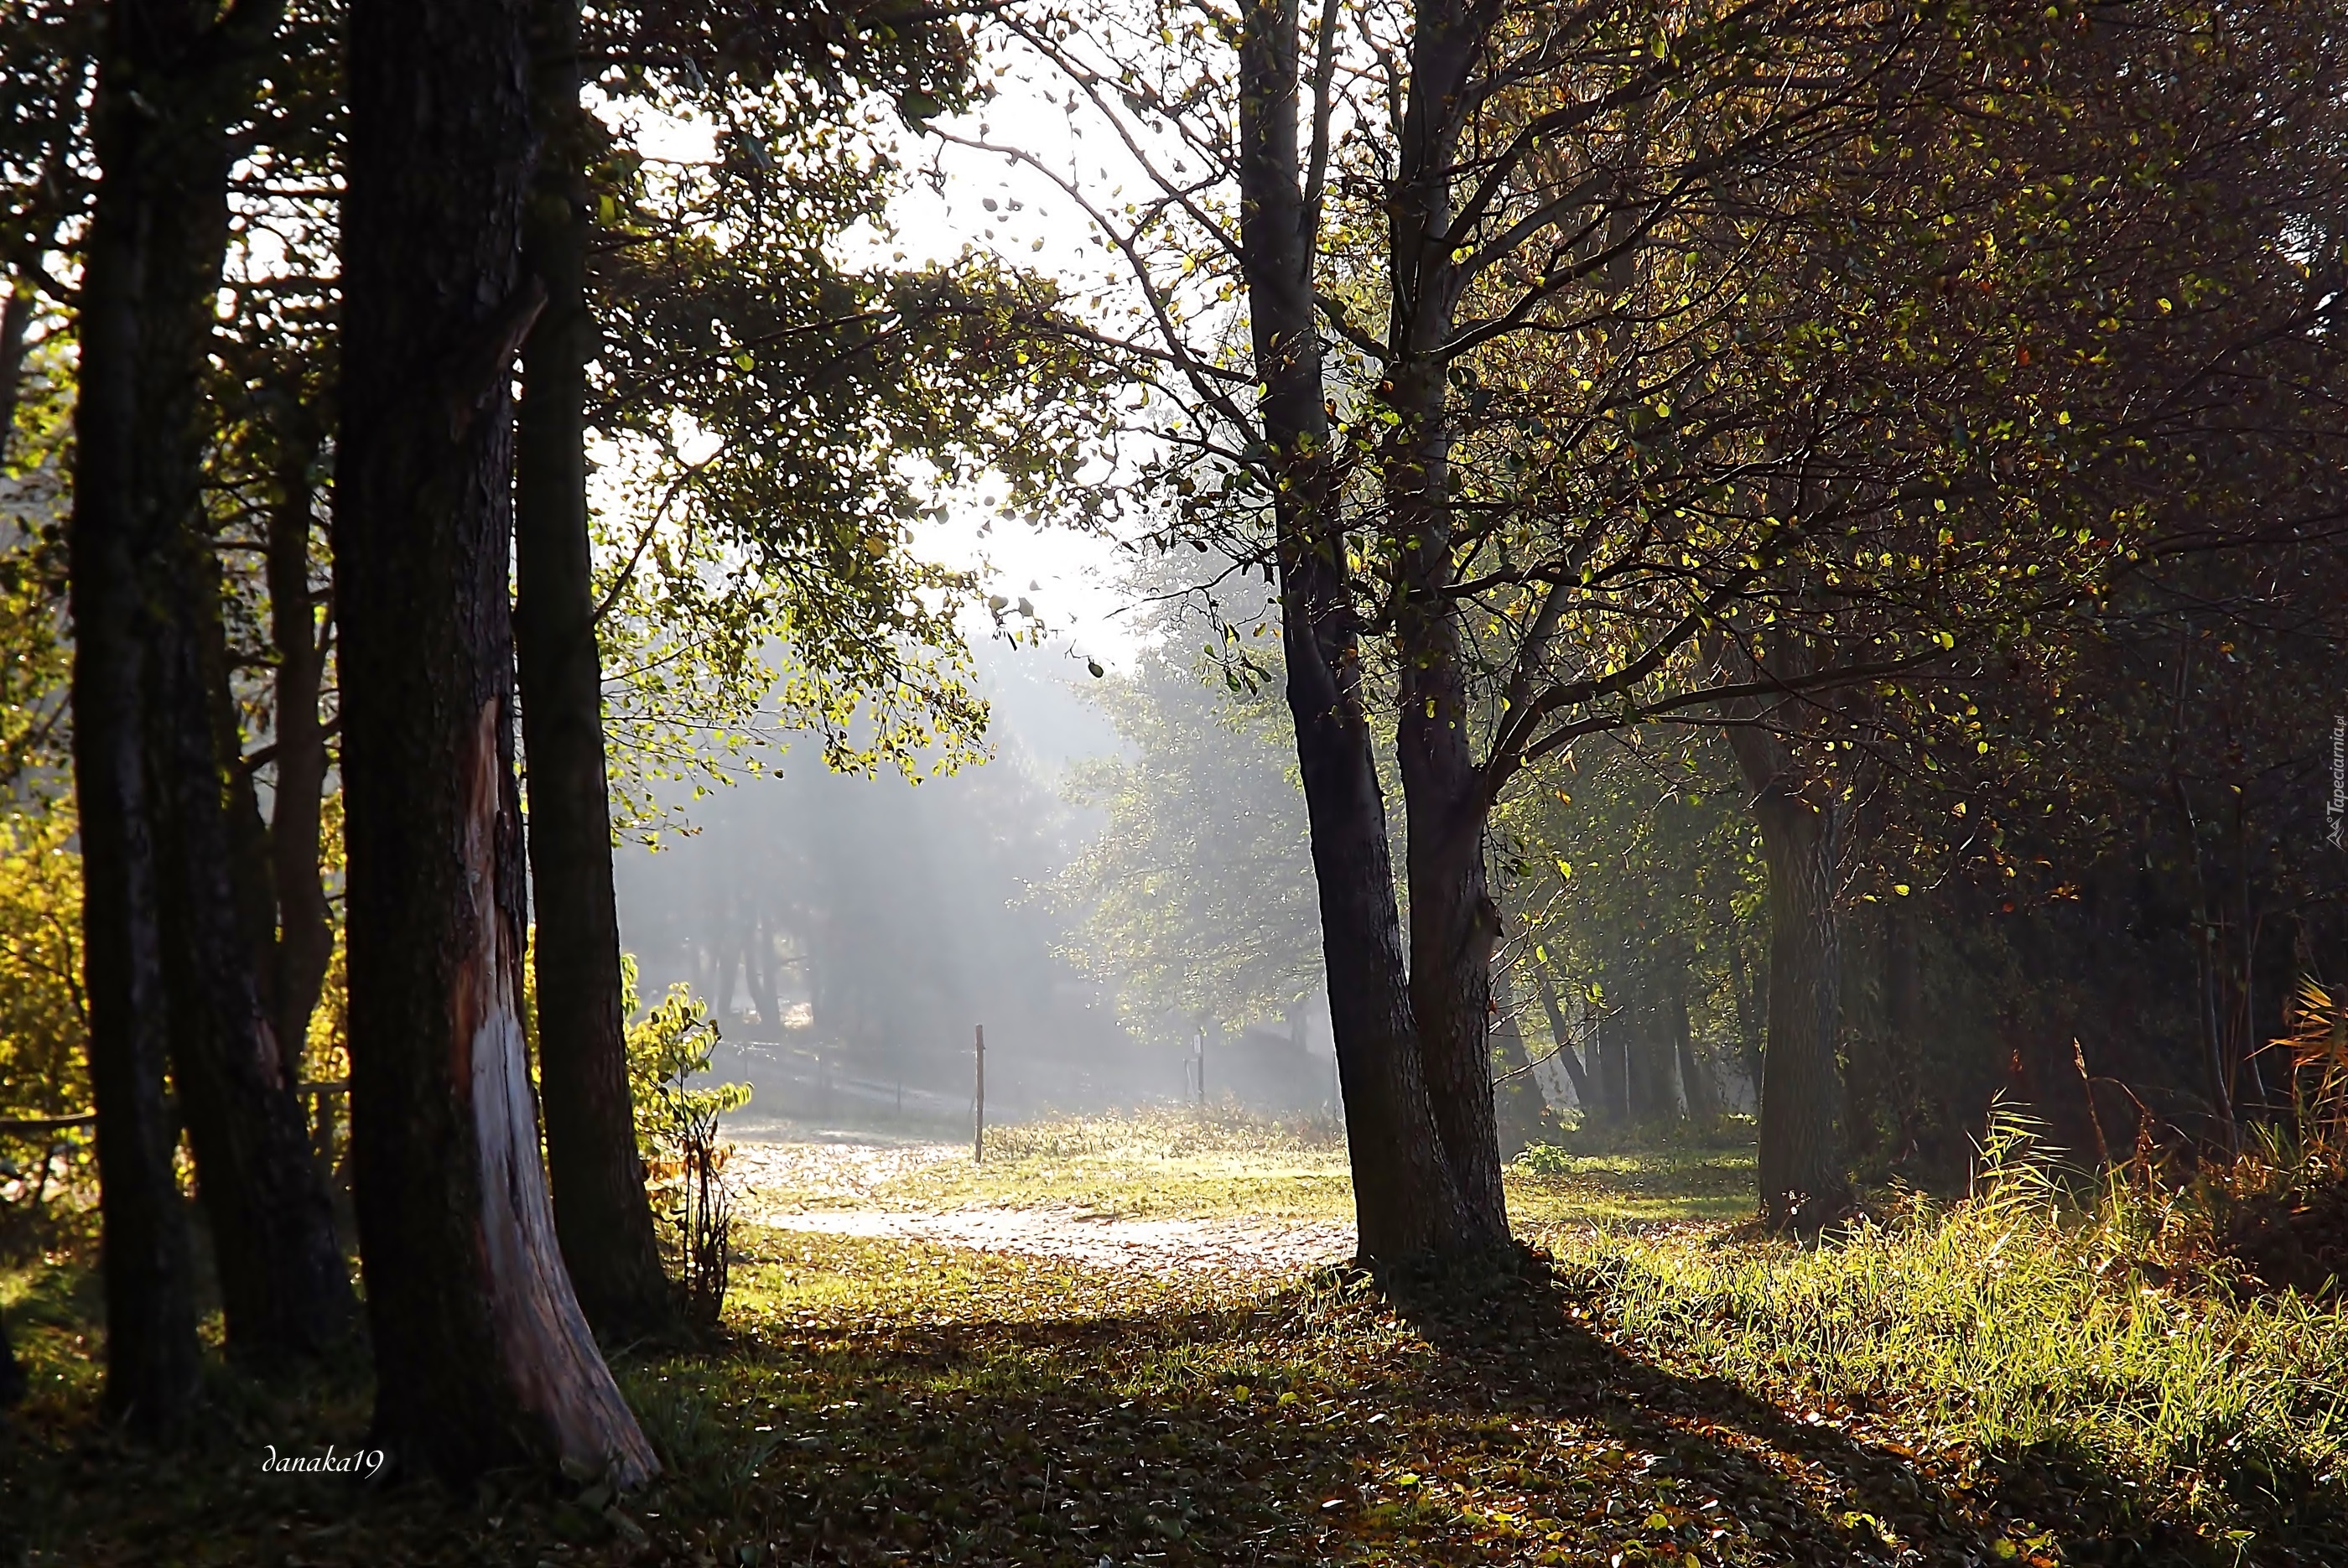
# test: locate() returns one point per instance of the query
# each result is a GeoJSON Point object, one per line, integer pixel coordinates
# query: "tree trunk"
{"type": "Point", "coordinates": [1517, 1099]}
{"type": "Point", "coordinates": [1803, 1182]}
{"type": "Point", "coordinates": [1453, 919]}
{"type": "Point", "coordinates": [600, 1210]}
{"type": "Point", "coordinates": [1405, 1200]}
{"type": "Point", "coordinates": [305, 932]}
{"type": "Point", "coordinates": [1650, 1069]}
{"type": "Point", "coordinates": [482, 1354]}
{"type": "Point", "coordinates": [1562, 1036]}
{"type": "Point", "coordinates": [16, 320]}
{"type": "Point", "coordinates": [12, 1377]}
{"type": "Point", "coordinates": [284, 1290]}
{"type": "Point", "coordinates": [154, 838]}
{"type": "Point", "coordinates": [1904, 1018]}
{"type": "Point", "coordinates": [1695, 1079]}
{"type": "Point", "coordinates": [1748, 1010]}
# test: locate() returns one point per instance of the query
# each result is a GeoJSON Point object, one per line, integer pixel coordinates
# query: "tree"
{"type": "Point", "coordinates": [482, 1354]}
{"type": "Point", "coordinates": [1196, 900]}
{"type": "Point", "coordinates": [821, 385]}
{"type": "Point", "coordinates": [169, 970]}
{"type": "Point", "coordinates": [602, 1211]}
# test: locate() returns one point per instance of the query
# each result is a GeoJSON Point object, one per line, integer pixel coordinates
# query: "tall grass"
{"type": "Point", "coordinates": [2013, 1320]}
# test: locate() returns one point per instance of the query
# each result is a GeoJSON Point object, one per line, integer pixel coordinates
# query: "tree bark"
{"type": "Point", "coordinates": [482, 1354]}
{"type": "Point", "coordinates": [600, 1210]}
{"type": "Point", "coordinates": [1406, 1201]}
{"type": "Point", "coordinates": [1803, 1182]}
{"type": "Point", "coordinates": [16, 321]}
{"type": "Point", "coordinates": [1748, 1021]}
{"type": "Point", "coordinates": [1650, 1069]}
{"type": "Point", "coordinates": [284, 1290]}
{"type": "Point", "coordinates": [12, 1377]}
{"type": "Point", "coordinates": [304, 945]}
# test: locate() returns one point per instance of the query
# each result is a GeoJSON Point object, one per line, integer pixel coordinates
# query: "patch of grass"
{"type": "Point", "coordinates": [1224, 1164]}
{"type": "Point", "coordinates": [2007, 1336]}
{"type": "Point", "coordinates": [1215, 1164]}
{"type": "Point", "coordinates": [1548, 1186]}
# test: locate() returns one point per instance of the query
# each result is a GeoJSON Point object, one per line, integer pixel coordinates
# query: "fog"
{"type": "Point", "coordinates": [852, 934]}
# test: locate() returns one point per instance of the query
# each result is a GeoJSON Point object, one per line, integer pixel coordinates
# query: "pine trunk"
{"type": "Point", "coordinates": [482, 1356]}
{"type": "Point", "coordinates": [1405, 1202]}
{"type": "Point", "coordinates": [284, 1291]}
{"type": "Point", "coordinates": [600, 1210]}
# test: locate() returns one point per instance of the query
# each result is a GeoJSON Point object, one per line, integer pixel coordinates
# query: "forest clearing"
{"type": "Point", "coordinates": [1650, 1384]}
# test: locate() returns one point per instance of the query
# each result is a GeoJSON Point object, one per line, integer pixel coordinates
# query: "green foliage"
{"type": "Point", "coordinates": [44, 1016]}
{"type": "Point", "coordinates": [2004, 1325]}
{"type": "Point", "coordinates": [668, 1048]}
{"type": "Point", "coordinates": [773, 424]}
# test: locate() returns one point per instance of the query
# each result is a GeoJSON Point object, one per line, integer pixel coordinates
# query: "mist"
{"type": "Point", "coordinates": [851, 935]}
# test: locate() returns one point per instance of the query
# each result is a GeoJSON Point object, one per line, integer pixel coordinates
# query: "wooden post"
{"type": "Point", "coordinates": [1201, 1058]}
{"type": "Point", "coordinates": [978, 1102]}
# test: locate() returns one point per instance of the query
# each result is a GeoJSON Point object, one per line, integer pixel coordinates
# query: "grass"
{"type": "Point", "coordinates": [1221, 1163]}
{"type": "Point", "coordinates": [1985, 1383]}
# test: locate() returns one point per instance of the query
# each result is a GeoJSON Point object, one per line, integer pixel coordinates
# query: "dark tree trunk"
{"type": "Point", "coordinates": [1904, 1018]}
{"type": "Point", "coordinates": [153, 827]}
{"type": "Point", "coordinates": [763, 979]}
{"type": "Point", "coordinates": [1748, 1010]}
{"type": "Point", "coordinates": [12, 1377]}
{"type": "Point", "coordinates": [1695, 1079]}
{"type": "Point", "coordinates": [284, 1290]}
{"type": "Point", "coordinates": [1516, 1095]}
{"type": "Point", "coordinates": [1803, 1182]}
{"type": "Point", "coordinates": [304, 945]}
{"type": "Point", "coordinates": [1405, 1200]}
{"type": "Point", "coordinates": [16, 321]}
{"type": "Point", "coordinates": [1650, 1068]}
{"type": "Point", "coordinates": [1562, 1036]}
{"type": "Point", "coordinates": [482, 1354]}
{"type": "Point", "coordinates": [600, 1210]}
{"type": "Point", "coordinates": [1453, 919]}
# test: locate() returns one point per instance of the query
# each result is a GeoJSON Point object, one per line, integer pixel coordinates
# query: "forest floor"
{"type": "Point", "coordinates": [1119, 1344]}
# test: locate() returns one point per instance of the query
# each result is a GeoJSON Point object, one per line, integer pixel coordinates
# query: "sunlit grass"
{"type": "Point", "coordinates": [1997, 1328]}
{"type": "Point", "coordinates": [1222, 1163]}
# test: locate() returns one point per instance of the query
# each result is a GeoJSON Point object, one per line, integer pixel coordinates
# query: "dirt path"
{"type": "Point", "coordinates": [772, 1182]}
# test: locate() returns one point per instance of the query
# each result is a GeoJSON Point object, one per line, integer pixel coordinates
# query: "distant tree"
{"type": "Point", "coordinates": [1196, 900]}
